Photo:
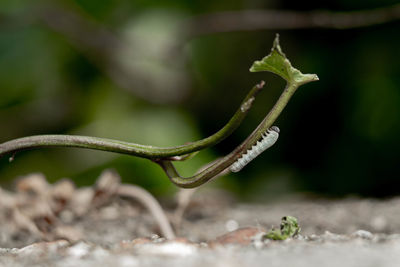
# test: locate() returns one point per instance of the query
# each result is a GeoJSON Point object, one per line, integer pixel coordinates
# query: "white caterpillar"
{"type": "Point", "coordinates": [268, 139]}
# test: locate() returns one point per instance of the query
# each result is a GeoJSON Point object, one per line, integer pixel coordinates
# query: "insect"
{"type": "Point", "coordinates": [268, 139]}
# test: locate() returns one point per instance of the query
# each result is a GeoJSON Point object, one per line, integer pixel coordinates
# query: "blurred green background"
{"type": "Point", "coordinates": [140, 71]}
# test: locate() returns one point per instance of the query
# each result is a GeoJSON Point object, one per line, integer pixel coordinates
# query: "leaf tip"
{"type": "Point", "coordinates": [276, 45]}
{"type": "Point", "coordinates": [313, 77]}
{"type": "Point", "coordinates": [252, 68]}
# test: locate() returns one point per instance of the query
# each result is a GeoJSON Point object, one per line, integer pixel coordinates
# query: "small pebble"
{"type": "Point", "coordinates": [363, 234]}
{"type": "Point", "coordinates": [258, 240]}
{"type": "Point", "coordinates": [231, 225]}
{"type": "Point", "coordinates": [333, 237]}
{"type": "Point", "coordinates": [171, 248]}
{"type": "Point", "coordinates": [79, 250]}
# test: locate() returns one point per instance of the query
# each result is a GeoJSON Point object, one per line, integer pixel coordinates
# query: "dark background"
{"type": "Point", "coordinates": [128, 70]}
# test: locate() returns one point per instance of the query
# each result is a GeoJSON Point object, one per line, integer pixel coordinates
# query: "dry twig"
{"type": "Point", "coordinates": [253, 20]}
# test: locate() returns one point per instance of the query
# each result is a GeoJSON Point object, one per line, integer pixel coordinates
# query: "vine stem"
{"type": "Point", "coordinates": [144, 151]}
{"type": "Point", "coordinates": [222, 164]}
{"type": "Point", "coordinates": [276, 62]}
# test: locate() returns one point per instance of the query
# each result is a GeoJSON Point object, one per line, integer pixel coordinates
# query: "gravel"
{"type": "Point", "coordinates": [345, 233]}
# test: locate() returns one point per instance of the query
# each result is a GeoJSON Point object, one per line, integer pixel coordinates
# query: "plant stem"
{"type": "Point", "coordinates": [220, 165]}
{"type": "Point", "coordinates": [151, 203]}
{"type": "Point", "coordinates": [138, 150]}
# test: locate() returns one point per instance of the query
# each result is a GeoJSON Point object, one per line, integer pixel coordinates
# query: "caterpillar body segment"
{"type": "Point", "coordinates": [268, 139]}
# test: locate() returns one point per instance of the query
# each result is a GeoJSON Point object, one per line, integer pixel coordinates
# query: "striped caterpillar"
{"type": "Point", "coordinates": [268, 139]}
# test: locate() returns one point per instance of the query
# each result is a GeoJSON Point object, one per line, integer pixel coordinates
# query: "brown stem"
{"type": "Point", "coordinates": [252, 20]}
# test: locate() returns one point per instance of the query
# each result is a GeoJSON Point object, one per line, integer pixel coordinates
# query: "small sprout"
{"type": "Point", "coordinates": [277, 62]}
{"type": "Point", "coordinates": [289, 228]}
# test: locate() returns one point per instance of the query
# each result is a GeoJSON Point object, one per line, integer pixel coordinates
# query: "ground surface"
{"type": "Point", "coordinates": [215, 230]}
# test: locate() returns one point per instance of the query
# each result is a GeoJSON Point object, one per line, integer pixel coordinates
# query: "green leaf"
{"type": "Point", "coordinates": [289, 228]}
{"type": "Point", "coordinates": [277, 62]}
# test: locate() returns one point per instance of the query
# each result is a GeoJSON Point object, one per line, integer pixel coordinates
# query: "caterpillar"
{"type": "Point", "coordinates": [268, 139]}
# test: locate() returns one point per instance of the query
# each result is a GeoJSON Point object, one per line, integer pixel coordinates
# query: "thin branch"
{"type": "Point", "coordinates": [145, 151]}
{"type": "Point", "coordinates": [253, 20]}
{"type": "Point", "coordinates": [151, 204]}
{"type": "Point", "coordinates": [183, 197]}
{"type": "Point", "coordinates": [109, 185]}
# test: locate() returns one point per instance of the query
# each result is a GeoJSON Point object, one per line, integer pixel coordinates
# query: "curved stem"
{"type": "Point", "coordinates": [222, 164]}
{"type": "Point", "coordinates": [144, 151]}
{"type": "Point", "coordinates": [151, 203]}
